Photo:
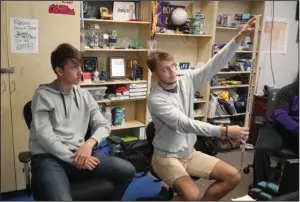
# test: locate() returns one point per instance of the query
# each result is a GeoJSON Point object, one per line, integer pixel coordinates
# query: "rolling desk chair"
{"type": "Point", "coordinates": [87, 190]}
{"type": "Point", "coordinates": [282, 154]}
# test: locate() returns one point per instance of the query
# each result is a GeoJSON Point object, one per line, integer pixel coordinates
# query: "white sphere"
{"type": "Point", "coordinates": [179, 16]}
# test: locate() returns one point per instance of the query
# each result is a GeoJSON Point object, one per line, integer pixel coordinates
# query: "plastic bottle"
{"type": "Point", "coordinates": [107, 114]}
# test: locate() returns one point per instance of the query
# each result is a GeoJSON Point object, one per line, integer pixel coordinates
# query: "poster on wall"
{"type": "Point", "coordinates": [23, 35]}
{"type": "Point", "coordinates": [279, 35]}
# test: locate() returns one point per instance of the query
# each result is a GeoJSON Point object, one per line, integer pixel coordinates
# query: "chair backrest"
{"type": "Point", "coordinates": [27, 114]}
{"type": "Point", "coordinates": [28, 118]}
{"type": "Point", "coordinates": [272, 98]}
{"type": "Point", "coordinates": [150, 134]}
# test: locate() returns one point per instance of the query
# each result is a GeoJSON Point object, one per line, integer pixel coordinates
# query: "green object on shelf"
{"type": "Point", "coordinates": [129, 138]}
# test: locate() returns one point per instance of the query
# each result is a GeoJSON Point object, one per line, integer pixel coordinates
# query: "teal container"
{"type": "Point", "coordinates": [118, 115]}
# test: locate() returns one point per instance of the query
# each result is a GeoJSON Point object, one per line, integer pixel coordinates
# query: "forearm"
{"type": "Point", "coordinates": [214, 65]}
{"type": "Point", "coordinates": [200, 128]}
{"type": "Point", "coordinates": [239, 38]}
{"type": "Point", "coordinates": [55, 147]}
{"type": "Point", "coordinates": [281, 117]}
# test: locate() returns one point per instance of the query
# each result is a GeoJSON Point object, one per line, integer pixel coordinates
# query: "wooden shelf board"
{"type": "Point", "coordinates": [115, 82]}
{"type": "Point", "coordinates": [115, 50]}
{"type": "Point", "coordinates": [228, 116]}
{"type": "Point", "coordinates": [115, 21]}
{"type": "Point", "coordinates": [120, 100]}
{"type": "Point", "coordinates": [190, 35]}
{"type": "Point", "coordinates": [228, 28]}
{"type": "Point", "coordinates": [230, 86]}
{"type": "Point", "coordinates": [234, 72]}
{"type": "Point", "coordinates": [128, 124]}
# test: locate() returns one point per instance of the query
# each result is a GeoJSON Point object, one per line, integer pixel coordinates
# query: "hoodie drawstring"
{"type": "Point", "coordinates": [64, 102]}
{"type": "Point", "coordinates": [76, 101]}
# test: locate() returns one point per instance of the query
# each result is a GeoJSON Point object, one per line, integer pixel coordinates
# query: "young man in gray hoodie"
{"type": "Point", "coordinates": [61, 115]}
{"type": "Point", "coordinates": [171, 107]}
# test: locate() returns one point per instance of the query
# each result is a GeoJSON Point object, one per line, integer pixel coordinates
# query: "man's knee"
{"type": "Point", "coordinates": [234, 179]}
{"type": "Point", "coordinates": [187, 189]}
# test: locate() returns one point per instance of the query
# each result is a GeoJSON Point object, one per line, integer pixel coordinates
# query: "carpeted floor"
{"type": "Point", "coordinates": [146, 187]}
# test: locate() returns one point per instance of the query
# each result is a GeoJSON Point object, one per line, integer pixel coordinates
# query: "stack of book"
{"type": "Point", "coordinates": [138, 90]}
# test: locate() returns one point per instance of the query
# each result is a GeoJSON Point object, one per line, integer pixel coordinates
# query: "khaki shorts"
{"type": "Point", "coordinates": [197, 164]}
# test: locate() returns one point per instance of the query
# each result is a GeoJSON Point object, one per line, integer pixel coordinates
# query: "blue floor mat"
{"type": "Point", "coordinates": [134, 191]}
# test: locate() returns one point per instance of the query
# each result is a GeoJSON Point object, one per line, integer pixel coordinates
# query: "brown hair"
{"type": "Point", "coordinates": [155, 57]}
{"type": "Point", "coordinates": [63, 53]}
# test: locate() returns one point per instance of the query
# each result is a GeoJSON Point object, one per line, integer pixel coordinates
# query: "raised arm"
{"type": "Point", "coordinates": [43, 131]}
{"type": "Point", "coordinates": [218, 61]}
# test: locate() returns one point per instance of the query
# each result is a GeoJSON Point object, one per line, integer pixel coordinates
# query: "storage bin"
{"type": "Point", "coordinates": [98, 93]}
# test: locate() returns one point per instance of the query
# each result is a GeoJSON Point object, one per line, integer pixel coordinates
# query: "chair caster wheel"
{"type": "Point", "coordinates": [246, 170]}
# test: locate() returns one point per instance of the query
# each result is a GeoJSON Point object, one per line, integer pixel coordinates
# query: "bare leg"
{"type": "Point", "coordinates": [227, 178]}
{"type": "Point", "coordinates": [186, 189]}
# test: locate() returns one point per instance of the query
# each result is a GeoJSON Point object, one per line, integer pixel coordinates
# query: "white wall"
{"type": "Point", "coordinates": [285, 66]}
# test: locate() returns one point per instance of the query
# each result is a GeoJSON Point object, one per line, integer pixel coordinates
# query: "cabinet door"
{"type": "Point", "coordinates": [8, 177]}
{"type": "Point", "coordinates": [33, 69]}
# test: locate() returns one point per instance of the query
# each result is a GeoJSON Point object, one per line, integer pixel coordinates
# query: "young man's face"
{"type": "Point", "coordinates": [71, 73]}
{"type": "Point", "coordinates": [166, 72]}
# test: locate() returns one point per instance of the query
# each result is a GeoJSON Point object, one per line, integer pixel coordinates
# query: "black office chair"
{"type": "Point", "coordinates": [284, 153]}
{"type": "Point", "coordinates": [87, 190]}
{"type": "Point", "coordinates": [166, 192]}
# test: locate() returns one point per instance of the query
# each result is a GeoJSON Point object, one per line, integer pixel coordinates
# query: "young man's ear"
{"type": "Point", "coordinates": [59, 71]}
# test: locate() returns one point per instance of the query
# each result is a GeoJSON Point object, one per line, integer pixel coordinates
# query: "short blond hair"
{"type": "Point", "coordinates": [157, 56]}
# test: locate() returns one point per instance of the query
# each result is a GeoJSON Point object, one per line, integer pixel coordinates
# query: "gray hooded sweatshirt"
{"type": "Point", "coordinates": [172, 113]}
{"type": "Point", "coordinates": [60, 121]}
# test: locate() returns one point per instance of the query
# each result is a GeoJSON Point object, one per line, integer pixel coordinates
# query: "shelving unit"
{"type": "Point", "coordinates": [188, 48]}
{"type": "Point", "coordinates": [198, 48]}
{"type": "Point", "coordinates": [224, 34]}
{"type": "Point", "coordinates": [136, 108]}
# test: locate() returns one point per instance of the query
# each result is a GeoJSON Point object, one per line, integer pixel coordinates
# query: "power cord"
{"type": "Point", "coordinates": [271, 40]}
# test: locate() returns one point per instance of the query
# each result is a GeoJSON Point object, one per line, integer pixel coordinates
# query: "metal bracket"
{"type": "Point", "coordinates": [9, 70]}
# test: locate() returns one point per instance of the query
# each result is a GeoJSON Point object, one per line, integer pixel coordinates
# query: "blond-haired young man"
{"type": "Point", "coordinates": [171, 107]}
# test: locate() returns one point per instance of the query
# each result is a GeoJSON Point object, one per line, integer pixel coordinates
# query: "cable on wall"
{"type": "Point", "coordinates": [271, 34]}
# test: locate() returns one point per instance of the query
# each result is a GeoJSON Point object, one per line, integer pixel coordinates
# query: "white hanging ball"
{"type": "Point", "coordinates": [179, 16]}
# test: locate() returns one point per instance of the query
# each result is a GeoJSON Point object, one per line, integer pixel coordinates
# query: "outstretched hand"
{"type": "Point", "coordinates": [238, 132]}
{"type": "Point", "coordinates": [249, 27]}
{"type": "Point", "coordinates": [247, 30]}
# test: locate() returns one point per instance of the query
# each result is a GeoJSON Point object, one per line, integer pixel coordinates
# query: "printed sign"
{"type": "Point", "coordinates": [61, 9]}
{"type": "Point", "coordinates": [24, 35]}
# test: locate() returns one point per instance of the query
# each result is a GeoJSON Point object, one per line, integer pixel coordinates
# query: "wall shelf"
{"type": "Point", "coordinates": [115, 21]}
{"type": "Point", "coordinates": [115, 82]}
{"type": "Point", "coordinates": [230, 86]}
{"type": "Point", "coordinates": [114, 50]}
{"type": "Point", "coordinates": [128, 125]}
{"type": "Point", "coordinates": [189, 35]}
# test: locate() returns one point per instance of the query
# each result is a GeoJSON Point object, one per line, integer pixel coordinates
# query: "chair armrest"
{"type": "Point", "coordinates": [25, 157]}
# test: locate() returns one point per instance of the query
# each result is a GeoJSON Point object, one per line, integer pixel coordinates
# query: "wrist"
{"type": "Point", "coordinates": [223, 131]}
{"type": "Point", "coordinates": [91, 142]}
{"type": "Point", "coordinates": [239, 38]}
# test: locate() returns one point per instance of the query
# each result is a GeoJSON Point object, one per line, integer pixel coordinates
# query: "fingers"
{"type": "Point", "coordinates": [252, 20]}
{"type": "Point", "coordinates": [96, 160]}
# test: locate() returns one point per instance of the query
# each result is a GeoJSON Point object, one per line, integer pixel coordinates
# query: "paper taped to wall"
{"type": "Point", "coordinates": [244, 198]}
{"type": "Point", "coordinates": [23, 35]}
